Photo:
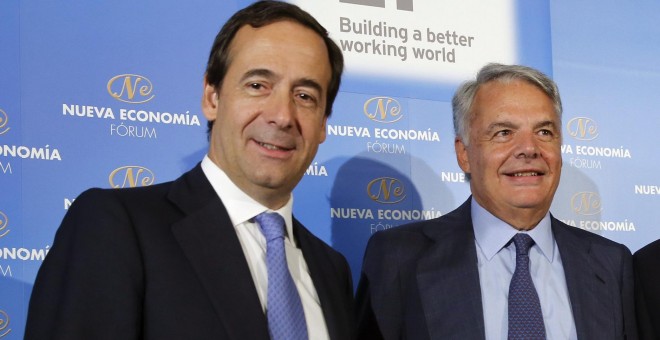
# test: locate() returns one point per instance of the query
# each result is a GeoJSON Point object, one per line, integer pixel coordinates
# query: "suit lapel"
{"type": "Point", "coordinates": [586, 282]}
{"type": "Point", "coordinates": [330, 294]}
{"type": "Point", "coordinates": [209, 241]}
{"type": "Point", "coordinates": [448, 279]}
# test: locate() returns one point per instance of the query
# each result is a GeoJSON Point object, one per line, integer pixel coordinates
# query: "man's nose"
{"type": "Point", "coordinates": [526, 145]}
{"type": "Point", "coordinates": [280, 109]}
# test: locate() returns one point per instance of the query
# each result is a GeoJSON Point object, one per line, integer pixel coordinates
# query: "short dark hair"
{"type": "Point", "coordinates": [262, 13]}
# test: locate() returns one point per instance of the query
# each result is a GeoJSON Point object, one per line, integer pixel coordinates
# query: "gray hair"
{"type": "Point", "coordinates": [464, 96]}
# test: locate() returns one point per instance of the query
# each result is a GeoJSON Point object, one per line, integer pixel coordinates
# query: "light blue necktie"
{"type": "Point", "coordinates": [286, 317]}
{"type": "Point", "coordinates": [525, 315]}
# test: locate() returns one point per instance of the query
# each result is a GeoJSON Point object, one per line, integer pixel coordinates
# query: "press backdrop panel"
{"type": "Point", "coordinates": [107, 95]}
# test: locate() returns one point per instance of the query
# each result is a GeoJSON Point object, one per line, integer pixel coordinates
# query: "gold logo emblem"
{"type": "Point", "coordinates": [4, 222]}
{"type": "Point", "coordinates": [386, 190]}
{"type": "Point", "coordinates": [383, 109]}
{"type": "Point", "coordinates": [586, 203]}
{"type": "Point", "coordinates": [131, 176]}
{"type": "Point", "coordinates": [582, 128]}
{"type": "Point", "coordinates": [131, 88]}
{"type": "Point", "coordinates": [4, 324]}
{"type": "Point", "coordinates": [4, 121]}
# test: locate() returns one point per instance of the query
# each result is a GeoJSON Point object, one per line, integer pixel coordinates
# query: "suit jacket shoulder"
{"type": "Point", "coordinates": [421, 281]}
{"type": "Point", "coordinates": [168, 249]}
{"type": "Point", "coordinates": [599, 277]}
{"type": "Point", "coordinates": [647, 290]}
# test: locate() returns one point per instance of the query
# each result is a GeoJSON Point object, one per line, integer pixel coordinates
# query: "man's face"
{"type": "Point", "coordinates": [514, 151]}
{"type": "Point", "coordinates": [269, 111]}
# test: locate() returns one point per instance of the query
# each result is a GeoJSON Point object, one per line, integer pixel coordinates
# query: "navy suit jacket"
{"type": "Point", "coordinates": [164, 262]}
{"type": "Point", "coordinates": [647, 290]}
{"type": "Point", "coordinates": [421, 281]}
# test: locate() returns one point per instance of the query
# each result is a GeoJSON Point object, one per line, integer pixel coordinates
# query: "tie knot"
{"type": "Point", "coordinates": [271, 224]}
{"type": "Point", "coordinates": [523, 242]}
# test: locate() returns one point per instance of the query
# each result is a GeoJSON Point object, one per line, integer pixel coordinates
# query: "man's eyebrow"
{"type": "Point", "coordinates": [307, 82]}
{"type": "Point", "coordinates": [266, 73]}
{"type": "Point", "coordinates": [510, 125]}
{"type": "Point", "coordinates": [500, 125]}
{"type": "Point", "coordinates": [546, 123]}
{"type": "Point", "coordinates": [258, 72]}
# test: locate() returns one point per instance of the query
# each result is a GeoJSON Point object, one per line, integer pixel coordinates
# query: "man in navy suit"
{"type": "Point", "coordinates": [186, 259]}
{"type": "Point", "coordinates": [450, 277]}
{"type": "Point", "coordinates": [647, 290]}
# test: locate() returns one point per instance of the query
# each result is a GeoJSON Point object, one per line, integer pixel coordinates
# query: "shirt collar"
{"type": "Point", "coordinates": [241, 207]}
{"type": "Point", "coordinates": [492, 234]}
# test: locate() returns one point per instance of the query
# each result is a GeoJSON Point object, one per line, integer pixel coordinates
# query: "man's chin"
{"type": "Point", "coordinates": [529, 203]}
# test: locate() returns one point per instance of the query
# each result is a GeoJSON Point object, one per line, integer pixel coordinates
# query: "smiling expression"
{"type": "Point", "coordinates": [514, 151]}
{"type": "Point", "coordinates": [269, 112]}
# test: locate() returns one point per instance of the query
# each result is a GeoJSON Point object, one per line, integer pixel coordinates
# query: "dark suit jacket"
{"type": "Point", "coordinates": [164, 262]}
{"type": "Point", "coordinates": [647, 290]}
{"type": "Point", "coordinates": [422, 282]}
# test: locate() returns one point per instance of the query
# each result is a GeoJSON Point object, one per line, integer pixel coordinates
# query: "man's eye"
{"type": "Point", "coordinates": [305, 97]}
{"type": "Point", "coordinates": [503, 133]}
{"type": "Point", "coordinates": [255, 86]}
{"type": "Point", "coordinates": [546, 133]}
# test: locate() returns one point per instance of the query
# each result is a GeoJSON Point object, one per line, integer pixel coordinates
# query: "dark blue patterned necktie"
{"type": "Point", "coordinates": [286, 317]}
{"type": "Point", "coordinates": [525, 316]}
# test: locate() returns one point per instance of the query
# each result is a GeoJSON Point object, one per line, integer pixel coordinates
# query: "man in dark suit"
{"type": "Point", "coordinates": [647, 290]}
{"type": "Point", "coordinates": [187, 259]}
{"type": "Point", "coordinates": [500, 266]}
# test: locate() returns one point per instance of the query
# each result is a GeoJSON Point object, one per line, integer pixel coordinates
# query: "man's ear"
{"type": "Point", "coordinates": [462, 155]}
{"type": "Point", "coordinates": [209, 101]}
{"type": "Point", "coordinates": [324, 128]}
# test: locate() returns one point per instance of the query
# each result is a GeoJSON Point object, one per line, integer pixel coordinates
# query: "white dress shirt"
{"type": "Point", "coordinates": [496, 257]}
{"type": "Point", "coordinates": [242, 209]}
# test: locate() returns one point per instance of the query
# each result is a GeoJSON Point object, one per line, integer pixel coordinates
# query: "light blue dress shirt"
{"type": "Point", "coordinates": [496, 256]}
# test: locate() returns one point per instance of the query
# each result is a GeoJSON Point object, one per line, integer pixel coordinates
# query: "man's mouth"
{"type": "Point", "coordinates": [526, 174]}
{"type": "Point", "coordinates": [273, 147]}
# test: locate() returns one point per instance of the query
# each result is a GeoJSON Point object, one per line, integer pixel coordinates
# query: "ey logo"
{"type": "Point", "coordinates": [586, 203]}
{"type": "Point", "coordinates": [402, 5]}
{"type": "Point", "coordinates": [386, 190]}
{"type": "Point", "coordinates": [131, 88]}
{"type": "Point", "coordinates": [4, 324]}
{"type": "Point", "coordinates": [4, 222]}
{"type": "Point", "coordinates": [582, 128]}
{"type": "Point", "coordinates": [383, 109]}
{"type": "Point", "coordinates": [131, 176]}
{"type": "Point", "coordinates": [4, 122]}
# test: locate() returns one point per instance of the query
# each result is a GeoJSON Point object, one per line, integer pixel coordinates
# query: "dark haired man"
{"type": "Point", "coordinates": [197, 258]}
